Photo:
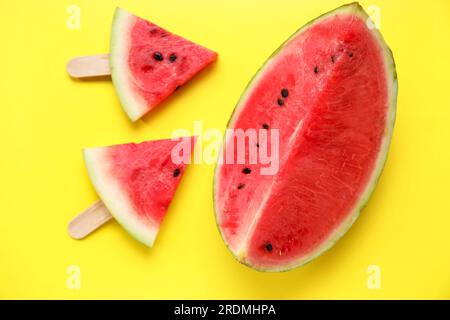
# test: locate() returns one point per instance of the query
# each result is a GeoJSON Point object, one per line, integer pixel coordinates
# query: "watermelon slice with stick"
{"type": "Point", "coordinates": [137, 182]}
{"type": "Point", "coordinates": [330, 92]}
{"type": "Point", "coordinates": [148, 63]}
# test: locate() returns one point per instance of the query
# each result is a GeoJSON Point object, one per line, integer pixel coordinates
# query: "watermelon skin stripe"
{"type": "Point", "coordinates": [392, 88]}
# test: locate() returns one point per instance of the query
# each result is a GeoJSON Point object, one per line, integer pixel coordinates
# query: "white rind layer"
{"type": "Point", "coordinates": [133, 104]}
{"type": "Point", "coordinates": [114, 197]}
{"type": "Point", "coordinates": [391, 80]}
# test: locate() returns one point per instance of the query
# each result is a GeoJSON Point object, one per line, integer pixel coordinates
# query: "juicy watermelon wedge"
{"type": "Point", "coordinates": [148, 63]}
{"type": "Point", "coordinates": [137, 182]}
{"type": "Point", "coordinates": [331, 90]}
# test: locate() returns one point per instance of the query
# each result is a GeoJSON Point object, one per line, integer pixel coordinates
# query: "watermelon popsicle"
{"type": "Point", "coordinates": [147, 63]}
{"type": "Point", "coordinates": [136, 184]}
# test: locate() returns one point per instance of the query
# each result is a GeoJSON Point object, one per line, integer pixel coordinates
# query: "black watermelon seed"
{"type": "Point", "coordinates": [284, 93]}
{"type": "Point", "coordinates": [333, 59]}
{"type": "Point", "coordinates": [265, 126]}
{"type": "Point", "coordinates": [280, 102]}
{"type": "Point", "coordinates": [173, 57]}
{"type": "Point", "coordinates": [316, 70]}
{"type": "Point", "coordinates": [268, 247]}
{"type": "Point", "coordinates": [158, 56]}
{"type": "Point", "coordinates": [350, 54]}
{"type": "Point", "coordinates": [257, 145]}
{"type": "Point", "coordinates": [240, 186]}
{"type": "Point", "coordinates": [176, 172]}
{"type": "Point", "coordinates": [246, 171]}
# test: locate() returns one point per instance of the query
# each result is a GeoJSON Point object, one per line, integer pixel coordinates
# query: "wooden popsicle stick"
{"type": "Point", "coordinates": [89, 66]}
{"type": "Point", "coordinates": [89, 220]}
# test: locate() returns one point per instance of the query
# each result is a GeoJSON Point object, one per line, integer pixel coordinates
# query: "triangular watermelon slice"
{"type": "Point", "coordinates": [137, 182]}
{"type": "Point", "coordinates": [148, 63]}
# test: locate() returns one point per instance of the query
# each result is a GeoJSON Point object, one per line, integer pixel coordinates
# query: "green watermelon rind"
{"type": "Point", "coordinates": [114, 197]}
{"type": "Point", "coordinates": [357, 10]}
{"type": "Point", "coordinates": [132, 103]}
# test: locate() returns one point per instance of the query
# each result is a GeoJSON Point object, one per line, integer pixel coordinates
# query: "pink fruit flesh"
{"type": "Point", "coordinates": [148, 175]}
{"type": "Point", "coordinates": [156, 79]}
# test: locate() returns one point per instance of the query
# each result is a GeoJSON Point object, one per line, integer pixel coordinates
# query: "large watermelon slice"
{"type": "Point", "coordinates": [331, 91]}
{"type": "Point", "coordinates": [137, 182]}
{"type": "Point", "coordinates": [148, 63]}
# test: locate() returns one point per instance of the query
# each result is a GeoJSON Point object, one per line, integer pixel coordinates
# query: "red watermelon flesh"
{"type": "Point", "coordinates": [148, 63]}
{"type": "Point", "coordinates": [331, 92]}
{"type": "Point", "coordinates": [137, 182]}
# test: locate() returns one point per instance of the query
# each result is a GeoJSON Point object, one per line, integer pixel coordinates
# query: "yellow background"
{"type": "Point", "coordinates": [46, 118]}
